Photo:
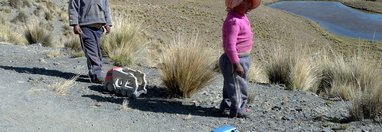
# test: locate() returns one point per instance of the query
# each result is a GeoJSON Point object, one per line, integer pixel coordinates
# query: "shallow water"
{"type": "Point", "coordinates": [337, 18]}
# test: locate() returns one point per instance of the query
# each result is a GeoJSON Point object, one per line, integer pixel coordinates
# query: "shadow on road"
{"type": "Point", "coordinates": [46, 72]}
{"type": "Point", "coordinates": [154, 101]}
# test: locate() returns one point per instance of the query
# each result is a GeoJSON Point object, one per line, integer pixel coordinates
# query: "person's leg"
{"type": "Point", "coordinates": [243, 82]}
{"type": "Point", "coordinates": [90, 39]}
{"type": "Point", "coordinates": [225, 102]}
{"type": "Point", "coordinates": [231, 86]}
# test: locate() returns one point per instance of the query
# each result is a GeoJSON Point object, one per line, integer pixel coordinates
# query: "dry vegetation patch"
{"type": "Point", "coordinates": [125, 41]}
{"type": "Point", "coordinates": [74, 46]}
{"type": "Point", "coordinates": [9, 36]}
{"type": "Point", "coordinates": [62, 87]}
{"type": "Point", "coordinates": [34, 33]}
{"type": "Point", "coordinates": [186, 66]}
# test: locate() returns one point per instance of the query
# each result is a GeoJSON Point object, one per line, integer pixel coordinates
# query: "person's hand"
{"type": "Point", "coordinates": [77, 29]}
{"type": "Point", "coordinates": [238, 69]}
{"type": "Point", "coordinates": [107, 28]}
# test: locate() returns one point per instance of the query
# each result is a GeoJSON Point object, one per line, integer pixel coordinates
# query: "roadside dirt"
{"type": "Point", "coordinates": [28, 103]}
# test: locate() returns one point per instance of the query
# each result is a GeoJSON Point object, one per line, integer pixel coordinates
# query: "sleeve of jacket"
{"type": "Point", "coordinates": [231, 31]}
{"type": "Point", "coordinates": [107, 14]}
{"type": "Point", "coordinates": [73, 12]}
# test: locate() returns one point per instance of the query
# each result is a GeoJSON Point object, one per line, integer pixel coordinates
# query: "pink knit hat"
{"type": "Point", "coordinates": [232, 3]}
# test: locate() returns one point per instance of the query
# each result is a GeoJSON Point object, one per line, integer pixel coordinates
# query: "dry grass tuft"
{"type": "Point", "coordinates": [9, 36]}
{"type": "Point", "coordinates": [281, 64]}
{"type": "Point", "coordinates": [63, 16]}
{"type": "Point", "coordinates": [186, 66]}
{"type": "Point", "coordinates": [62, 87]}
{"type": "Point", "coordinates": [125, 41]}
{"type": "Point", "coordinates": [305, 75]}
{"type": "Point", "coordinates": [342, 78]}
{"type": "Point", "coordinates": [48, 16]}
{"type": "Point", "coordinates": [125, 105]}
{"type": "Point", "coordinates": [74, 45]}
{"type": "Point", "coordinates": [35, 34]}
{"type": "Point", "coordinates": [21, 17]}
{"type": "Point", "coordinates": [278, 65]}
{"type": "Point", "coordinates": [67, 30]}
{"type": "Point", "coordinates": [367, 104]}
{"type": "Point", "coordinates": [257, 73]}
{"type": "Point", "coordinates": [53, 54]}
{"type": "Point", "coordinates": [367, 97]}
{"type": "Point", "coordinates": [19, 3]}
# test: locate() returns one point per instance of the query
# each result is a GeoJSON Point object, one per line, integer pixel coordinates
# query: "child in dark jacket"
{"type": "Point", "coordinates": [235, 62]}
{"type": "Point", "coordinates": [89, 19]}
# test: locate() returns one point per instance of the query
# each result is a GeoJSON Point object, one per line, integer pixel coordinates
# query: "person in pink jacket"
{"type": "Point", "coordinates": [235, 62]}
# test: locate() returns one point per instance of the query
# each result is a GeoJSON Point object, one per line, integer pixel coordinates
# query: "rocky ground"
{"type": "Point", "coordinates": [28, 102]}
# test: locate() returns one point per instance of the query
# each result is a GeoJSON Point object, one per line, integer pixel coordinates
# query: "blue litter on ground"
{"type": "Point", "coordinates": [225, 128]}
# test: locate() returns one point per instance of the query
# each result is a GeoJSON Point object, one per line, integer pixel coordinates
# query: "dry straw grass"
{"type": "Point", "coordinates": [62, 87]}
{"type": "Point", "coordinates": [34, 33]}
{"type": "Point", "coordinates": [125, 41]}
{"type": "Point", "coordinates": [367, 97]}
{"type": "Point", "coordinates": [74, 45]}
{"type": "Point", "coordinates": [19, 3]}
{"type": "Point", "coordinates": [292, 67]}
{"type": "Point", "coordinates": [9, 36]}
{"type": "Point", "coordinates": [305, 75]}
{"type": "Point", "coordinates": [54, 54]}
{"type": "Point", "coordinates": [343, 77]}
{"type": "Point", "coordinates": [367, 104]}
{"type": "Point", "coordinates": [356, 79]}
{"type": "Point", "coordinates": [186, 66]}
{"type": "Point", "coordinates": [257, 73]}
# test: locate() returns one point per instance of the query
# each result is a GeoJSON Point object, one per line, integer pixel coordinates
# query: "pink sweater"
{"type": "Point", "coordinates": [237, 35]}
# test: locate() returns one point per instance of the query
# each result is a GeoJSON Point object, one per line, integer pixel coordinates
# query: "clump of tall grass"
{"type": "Point", "coordinates": [62, 87]}
{"type": "Point", "coordinates": [36, 34]}
{"type": "Point", "coordinates": [53, 53]}
{"type": "Point", "coordinates": [21, 17]}
{"type": "Point", "coordinates": [305, 74]}
{"type": "Point", "coordinates": [367, 104]}
{"type": "Point", "coordinates": [125, 41]}
{"type": "Point", "coordinates": [9, 36]}
{"type": "Point", "coordinates": [337, 79]}
{"type": "Point", "coordinates": [19, 3]}
{"type": "Point", "coordinates": [356, 79]}
{"type": "Point", "coordinates": [367, 97]}
{"type": "Point", "coordinates": [257, 73]}
{"type": "Point", "coordinates": [74, 45]}
{"type": "Point", "coordinates": [278, 65]}
{"type": "Point", "coordinates": [292, 67]}
{"type": "Point", "coordinates": [186, 66]}
{"type": "Point", "coordinates": [343, 77]}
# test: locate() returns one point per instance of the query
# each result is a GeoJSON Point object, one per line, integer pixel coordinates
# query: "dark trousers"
{"type": "Point", "coordinates": [235, 93]}
{"type": "Point", "coordinates": [90, 42]}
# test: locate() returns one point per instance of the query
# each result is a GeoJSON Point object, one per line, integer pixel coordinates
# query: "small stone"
{"type": "Point", "coordinates": [276, 108]}
{"type": "Point", "coordinates": [188, 117]}
{"type": "Point", "coordinates": [56, 63]}
{"type": "Point", "coordinates": [287, 118]}
{"type": "Point", "coordinates": [42, 60]}
{"type": "Point", "coordinates": [299, 109]}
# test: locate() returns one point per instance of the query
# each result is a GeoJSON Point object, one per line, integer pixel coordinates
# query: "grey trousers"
{"type": "Point", "coordinates": [90, 43]}
{"type": "Point", "coordinates": [235, 93]}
